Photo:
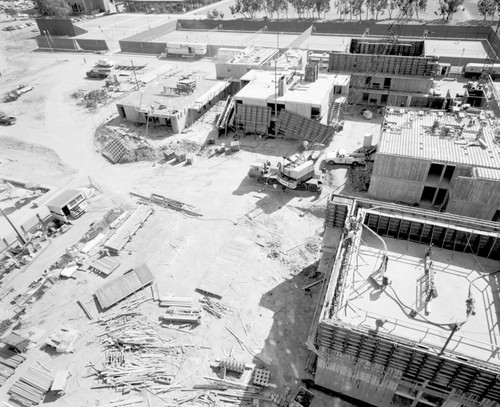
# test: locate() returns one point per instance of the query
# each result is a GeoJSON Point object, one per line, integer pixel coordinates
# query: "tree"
{"type": "Point", "coordinates": [487, 7]}
{"type": "Point", "coordinates": [322, 6]}
{"type": "Point", "coordinates": [419, 5]}
{"type": "Point", "coordinates": [357, 8]}
{"type": "Point", "coordinates": [247, 8]}
{"type": "Point", "coordinates": [55, 8]}
{"type": "Point", "coordinates": [275, 6]}
{"type": "Point", "coordinates": [343, 7]}
{"type": "Point", "coordinates": [391, 6]}
{"type": "Point", "coordinates": [449, 7]}
{"type": "Point", "coordinates": [376, 7]}
{"type": "Point", "coordinates": [299, 6]}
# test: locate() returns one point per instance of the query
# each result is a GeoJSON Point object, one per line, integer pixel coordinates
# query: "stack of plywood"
{"type": "Point", "coordinates": [9, 361]}
{"type": "Point", "coordinates": [30, 389]}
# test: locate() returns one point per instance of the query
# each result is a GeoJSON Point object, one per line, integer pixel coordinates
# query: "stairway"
{"type": "Point", "coordinates": [335, 113]}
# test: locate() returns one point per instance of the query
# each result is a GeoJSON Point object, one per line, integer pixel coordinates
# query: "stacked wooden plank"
{"type": "Point", "coordinates": [120, 288]}
{"type": "Point", "coordinates": [178, 302]}
{"type": "Point", "coordinates": [190, 315]}
{"type": "Point", "coordinates": [215, 307]}
{"type": "Point", "coordinates": [105, 265]}
{"type": "Point", "coordinates": [9, 361]}
{"type": "Point", "coordinates": [165, 202]}
{"type": "Point", "coordinates": [31, 387]}
{"type": "Point", "coordinates": [128, 229]}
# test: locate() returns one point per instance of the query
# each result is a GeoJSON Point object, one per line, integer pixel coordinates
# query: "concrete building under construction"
{"type": "Point", "coordinates": [174, 102]}
{"type": "Point", "coordinates": [409, 312]}
{"type": "Point", "coordinates": [439, 160]}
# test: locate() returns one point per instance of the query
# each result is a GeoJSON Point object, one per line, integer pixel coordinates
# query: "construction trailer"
{"type": "Point", "coordinates": [439, 160]}
{"type": "Point", "coordinates": [69, 204]}
{"type": "Point", "coordinates": [186, 49]}
{"type": "Point", "coordinates": [408, 314]}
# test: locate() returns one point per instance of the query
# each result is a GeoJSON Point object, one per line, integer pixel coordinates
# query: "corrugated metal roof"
{"type": "Point", "coordinates": [408, 133]}
{"type": "Point", "coordinates": [488, 173]}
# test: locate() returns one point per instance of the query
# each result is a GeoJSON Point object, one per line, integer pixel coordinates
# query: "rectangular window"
{"type": "Point", "coordinates": [400, 401]}
{"type": "Point", "coordinates": [428, 195]}
{"type": "Point", "coordinates": [441, 196]}
{"type": "Point", "coordinates": [387, 83]}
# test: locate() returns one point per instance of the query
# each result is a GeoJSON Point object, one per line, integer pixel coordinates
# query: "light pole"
{"type": "Point", "coordinates": [48, 42]}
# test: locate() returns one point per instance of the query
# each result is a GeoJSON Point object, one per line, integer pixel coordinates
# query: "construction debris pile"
{"type": "Point", "coordinates": [92, 99]}
{"type": "Point", "coordinates": [216, 308]}
{"type": "Point", "coordinates": [136, 355]}
{"type": "Point", "coordinates": [360, 177]}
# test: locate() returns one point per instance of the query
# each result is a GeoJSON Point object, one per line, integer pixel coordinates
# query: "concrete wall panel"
{"type": "Point", "coordinates": [92, 45]}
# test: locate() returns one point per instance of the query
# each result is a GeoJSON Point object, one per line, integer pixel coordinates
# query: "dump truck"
{"type": "Point", "coordinates": [301, 177]}
{"type": "Point", "coordinates": [14, 94]}
{"type": "Point", "coordinates": [342, 157]}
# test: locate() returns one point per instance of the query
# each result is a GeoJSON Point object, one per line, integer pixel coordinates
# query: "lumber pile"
{"type": "Point", "coordinates": [136, 356]}
{"type": "Point", "coordinates": [31, 387]}
{"type": "Point", "coordinates": [215, 307]}
{"type": "Point", "coordinates": [178, 302]}
{"type": "Point", "coordinates": [165, 202]}
{"type": "Point", "coordinates": [190, 315]}
{"type": "Point", "coordinates": [9, 361]}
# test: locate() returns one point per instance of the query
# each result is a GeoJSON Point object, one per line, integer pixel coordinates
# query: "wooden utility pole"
{"type": "Point", "coordinates": [21, 238]}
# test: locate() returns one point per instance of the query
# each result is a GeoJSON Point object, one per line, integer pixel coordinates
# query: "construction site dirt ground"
{"type": "Point", "coordinates": [53, 142]}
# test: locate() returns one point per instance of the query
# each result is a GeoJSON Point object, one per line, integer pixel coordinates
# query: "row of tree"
{"type": "Point", "coordinates": [489, 8]}
{"type": "Point", "coordinates": [346, 9]}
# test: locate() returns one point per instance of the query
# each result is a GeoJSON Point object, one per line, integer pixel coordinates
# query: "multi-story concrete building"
{"type": "Point", "coordinates": [409, 313]}
{"type": "Point", "coordinates": [439, 160]}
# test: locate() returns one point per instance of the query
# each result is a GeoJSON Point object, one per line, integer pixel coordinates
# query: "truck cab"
{"type": "Point", "coordinates": [259, 169]}
{"type": "Point", "coordinates": [342, 157]}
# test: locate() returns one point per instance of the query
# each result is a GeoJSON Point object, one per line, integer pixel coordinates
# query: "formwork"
{"type": "Point", "coordinates": [456, 233]}
{"type": "Point", "coordinates": [366, 358]}
{"type": "Point", "coordinates": [389, 64]}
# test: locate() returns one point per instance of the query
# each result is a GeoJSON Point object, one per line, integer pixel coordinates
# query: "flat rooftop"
{"type": "Point", "coordinates": [262, 87]}
{"type": "Point", "coordinates": [456, 48]}
{"type": "Point", "coordinates": [120, 26]}
{"type": "Point", "coordinates": [407, 132]}
{"type": "Point", "coordinates": [326, 43]}
{"type": "Point", "coordinates": [253, 56]}
{"type": "Point", "coordinates": [229, 38]}
{"type": "Point", "coordinates": [454, 275]}
{"type": "Point", "coordinates": [158, 93]}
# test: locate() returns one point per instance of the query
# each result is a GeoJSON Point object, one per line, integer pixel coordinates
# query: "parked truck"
{"type": "Point", "coordinates": [98, 73]}
{"type": "Point", "coordinates": [301, 177]}
{"type": "Point", "coordinates": [342, 157]}
{"type": "Point", "coordinates": [14, 94]}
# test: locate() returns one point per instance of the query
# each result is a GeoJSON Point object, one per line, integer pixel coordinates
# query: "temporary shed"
{"type": "Point", "coordinates": [68, 204]}
{"type": "Point", "coordinates": [16, 342]}
{"type": "Point", "coordinates": [121, 287]}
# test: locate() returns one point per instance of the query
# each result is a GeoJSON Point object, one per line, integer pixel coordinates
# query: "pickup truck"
{"type": "Point", "coordinates": [341, 157]}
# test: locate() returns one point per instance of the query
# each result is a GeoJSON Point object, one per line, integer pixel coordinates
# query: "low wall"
{"type": "Point", "coordinates": [339, 27]}
{"type": "Point", "coordinates": [56, 43]}
{"type": "Point", "coordinates": [92, 45]}
{"type": "Point", "coordinates": [141, 47]}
